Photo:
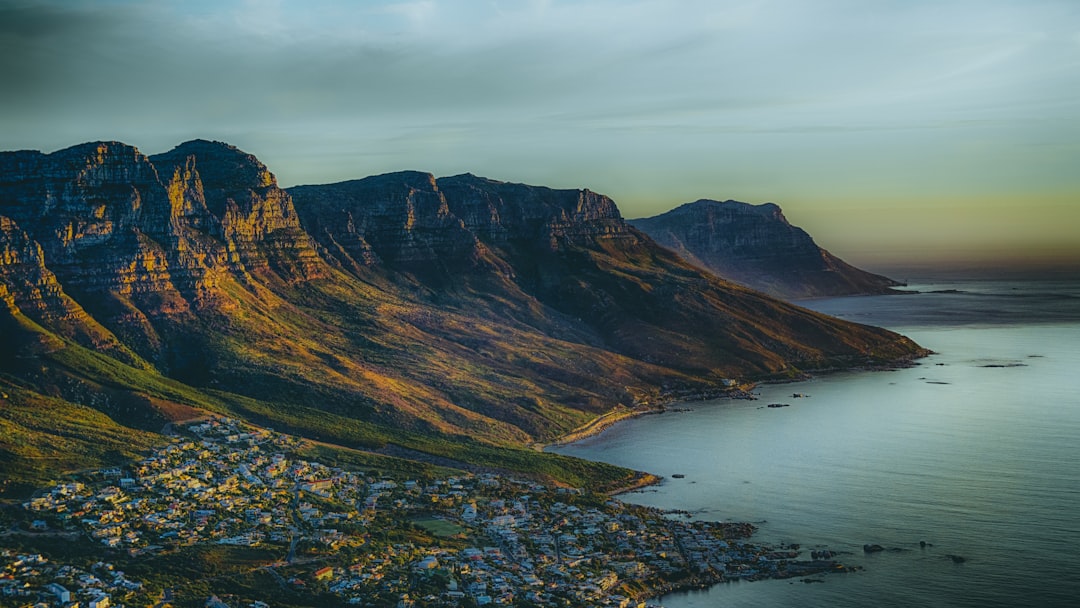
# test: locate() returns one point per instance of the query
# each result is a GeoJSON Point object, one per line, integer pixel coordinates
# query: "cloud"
{"type": "Point", "coordinates": [273, 60]}
{"type": "Point", "coordinates": [33, 44]}
{"type": "Point", "coordinates": [417, 13]}
{"type": "Point", "coordinates": [587, 87]}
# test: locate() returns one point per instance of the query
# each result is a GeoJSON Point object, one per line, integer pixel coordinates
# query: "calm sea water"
{"type": "Point", "coordinates": [976, 451]}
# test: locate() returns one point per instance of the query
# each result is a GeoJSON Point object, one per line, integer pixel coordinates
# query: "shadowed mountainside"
{"type": "Point", "coordinates": [754, 245]}
{"type": "Point", "coordinates": [460, 317]}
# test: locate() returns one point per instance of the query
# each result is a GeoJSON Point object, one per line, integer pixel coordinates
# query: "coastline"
{"type": "Point", "coordinates": [670, 401]}
{"type": "Point", "coordinates": [604, 421]}
{"type": "Point", "coordinates": [641, 480]}
{"type": "Point", "coordinates": [598, 425]}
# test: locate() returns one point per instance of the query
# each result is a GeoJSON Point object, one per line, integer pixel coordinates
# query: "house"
{"type": "Point", "coordinates": [428, 563]}
{"type": "Point", "coordinates": [318, 485]}
{"type": "Point", "coordinates": [61, 594]}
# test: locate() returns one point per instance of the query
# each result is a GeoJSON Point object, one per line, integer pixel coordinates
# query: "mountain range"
{"type": "Point", "coordinates": [456, 320]}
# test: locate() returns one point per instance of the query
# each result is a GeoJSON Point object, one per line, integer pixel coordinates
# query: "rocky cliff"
{"type": "Point", "coordinates": [502, 213]}
{"type": "Point", "coordinates": [413, 221]}
{"type": "Point", "coordinates": [567, 258]}
{"type": "Point", "coordinates": [30, 290]}
{"type": "Point", "coordinates": [220, 192]}
{"type": "Point", "coordinates": [145, 243]}
{"type": "Point", "coordinates": [754, 245]}
{"type": "Point", "coordinates": [399, 219]}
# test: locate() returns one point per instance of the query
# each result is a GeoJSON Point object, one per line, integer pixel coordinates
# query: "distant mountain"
{"type": "Point", "coordinates": [754, 245]}
{"type": "Point", "coordinates": [460, 318]}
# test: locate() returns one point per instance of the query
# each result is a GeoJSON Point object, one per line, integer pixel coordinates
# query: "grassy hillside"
{"type": "Point", "coordinates": [104, 412]}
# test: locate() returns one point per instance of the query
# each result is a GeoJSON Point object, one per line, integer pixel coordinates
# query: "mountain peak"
{"type": "Point", "coordinates": [733, 207]}
{"type": "Point", "coordinates": [221, 165]}
{"type": "Point", "coordinates": [97, 147]}
{"type": "Point", "coordinates": [472, 177]}
{"type": "Point", "coordinates": [400, 219]}
{"type": "Point", "coordinates": [100, 160]}
{"type": "Point", "coordinates": [756, 246]}
{"type": "Point", "coordinates": [209, 147]}
{"type": "Point", "coordinates": [409, 179]}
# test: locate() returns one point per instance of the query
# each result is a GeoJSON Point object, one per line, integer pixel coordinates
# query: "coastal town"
{"type": "Point", "coordinates": [365, 539]}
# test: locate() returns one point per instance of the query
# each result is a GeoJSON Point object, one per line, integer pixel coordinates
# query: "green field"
{"type": "Point", "coordinates": [439, 527]}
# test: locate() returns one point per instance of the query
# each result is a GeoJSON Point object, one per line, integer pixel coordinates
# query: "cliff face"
{"type": "Point", "coordinates": [90, 202]}
{"type": "Point", "coordinates": [143, 242]}
{"type": "Point", "coordinates": [558, 258]}
{"type": "Point", "coordinates": [220, 192]}
{"type": "Point", "coordinates": [455, 307]}
{"type": "Point", "coordinates": [398, 219]}
{"type": "Point", "coordinates": [26, 285]}
{"type": "Point", "coordinates": [411, 221]}
{"type": "Point", "coordinates": [501, 213]}
{"type": "Point", "coordinates": [754, 245]}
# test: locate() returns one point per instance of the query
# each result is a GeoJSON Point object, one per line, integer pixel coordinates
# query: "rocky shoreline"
{"type": "Point", "coordinates": [663, 405]}
{"type": "Point", "coordinates": [599, 425]}
{"type": "Point", "coordinates": [791, 569]}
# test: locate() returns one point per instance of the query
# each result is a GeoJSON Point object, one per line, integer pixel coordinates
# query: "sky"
{"type": "Point", "coordinates": [895, 131]}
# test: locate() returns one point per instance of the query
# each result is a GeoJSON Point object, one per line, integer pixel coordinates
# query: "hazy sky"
{"type": "Point", "coordinates": [891, 129]}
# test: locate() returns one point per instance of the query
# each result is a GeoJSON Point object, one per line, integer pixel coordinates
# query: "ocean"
{"type": "Point", "coordinates": [975, 452]}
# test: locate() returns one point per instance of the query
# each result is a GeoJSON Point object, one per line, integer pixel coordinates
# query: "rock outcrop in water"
{"type": "Point", "coordinates": [754, 245]}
